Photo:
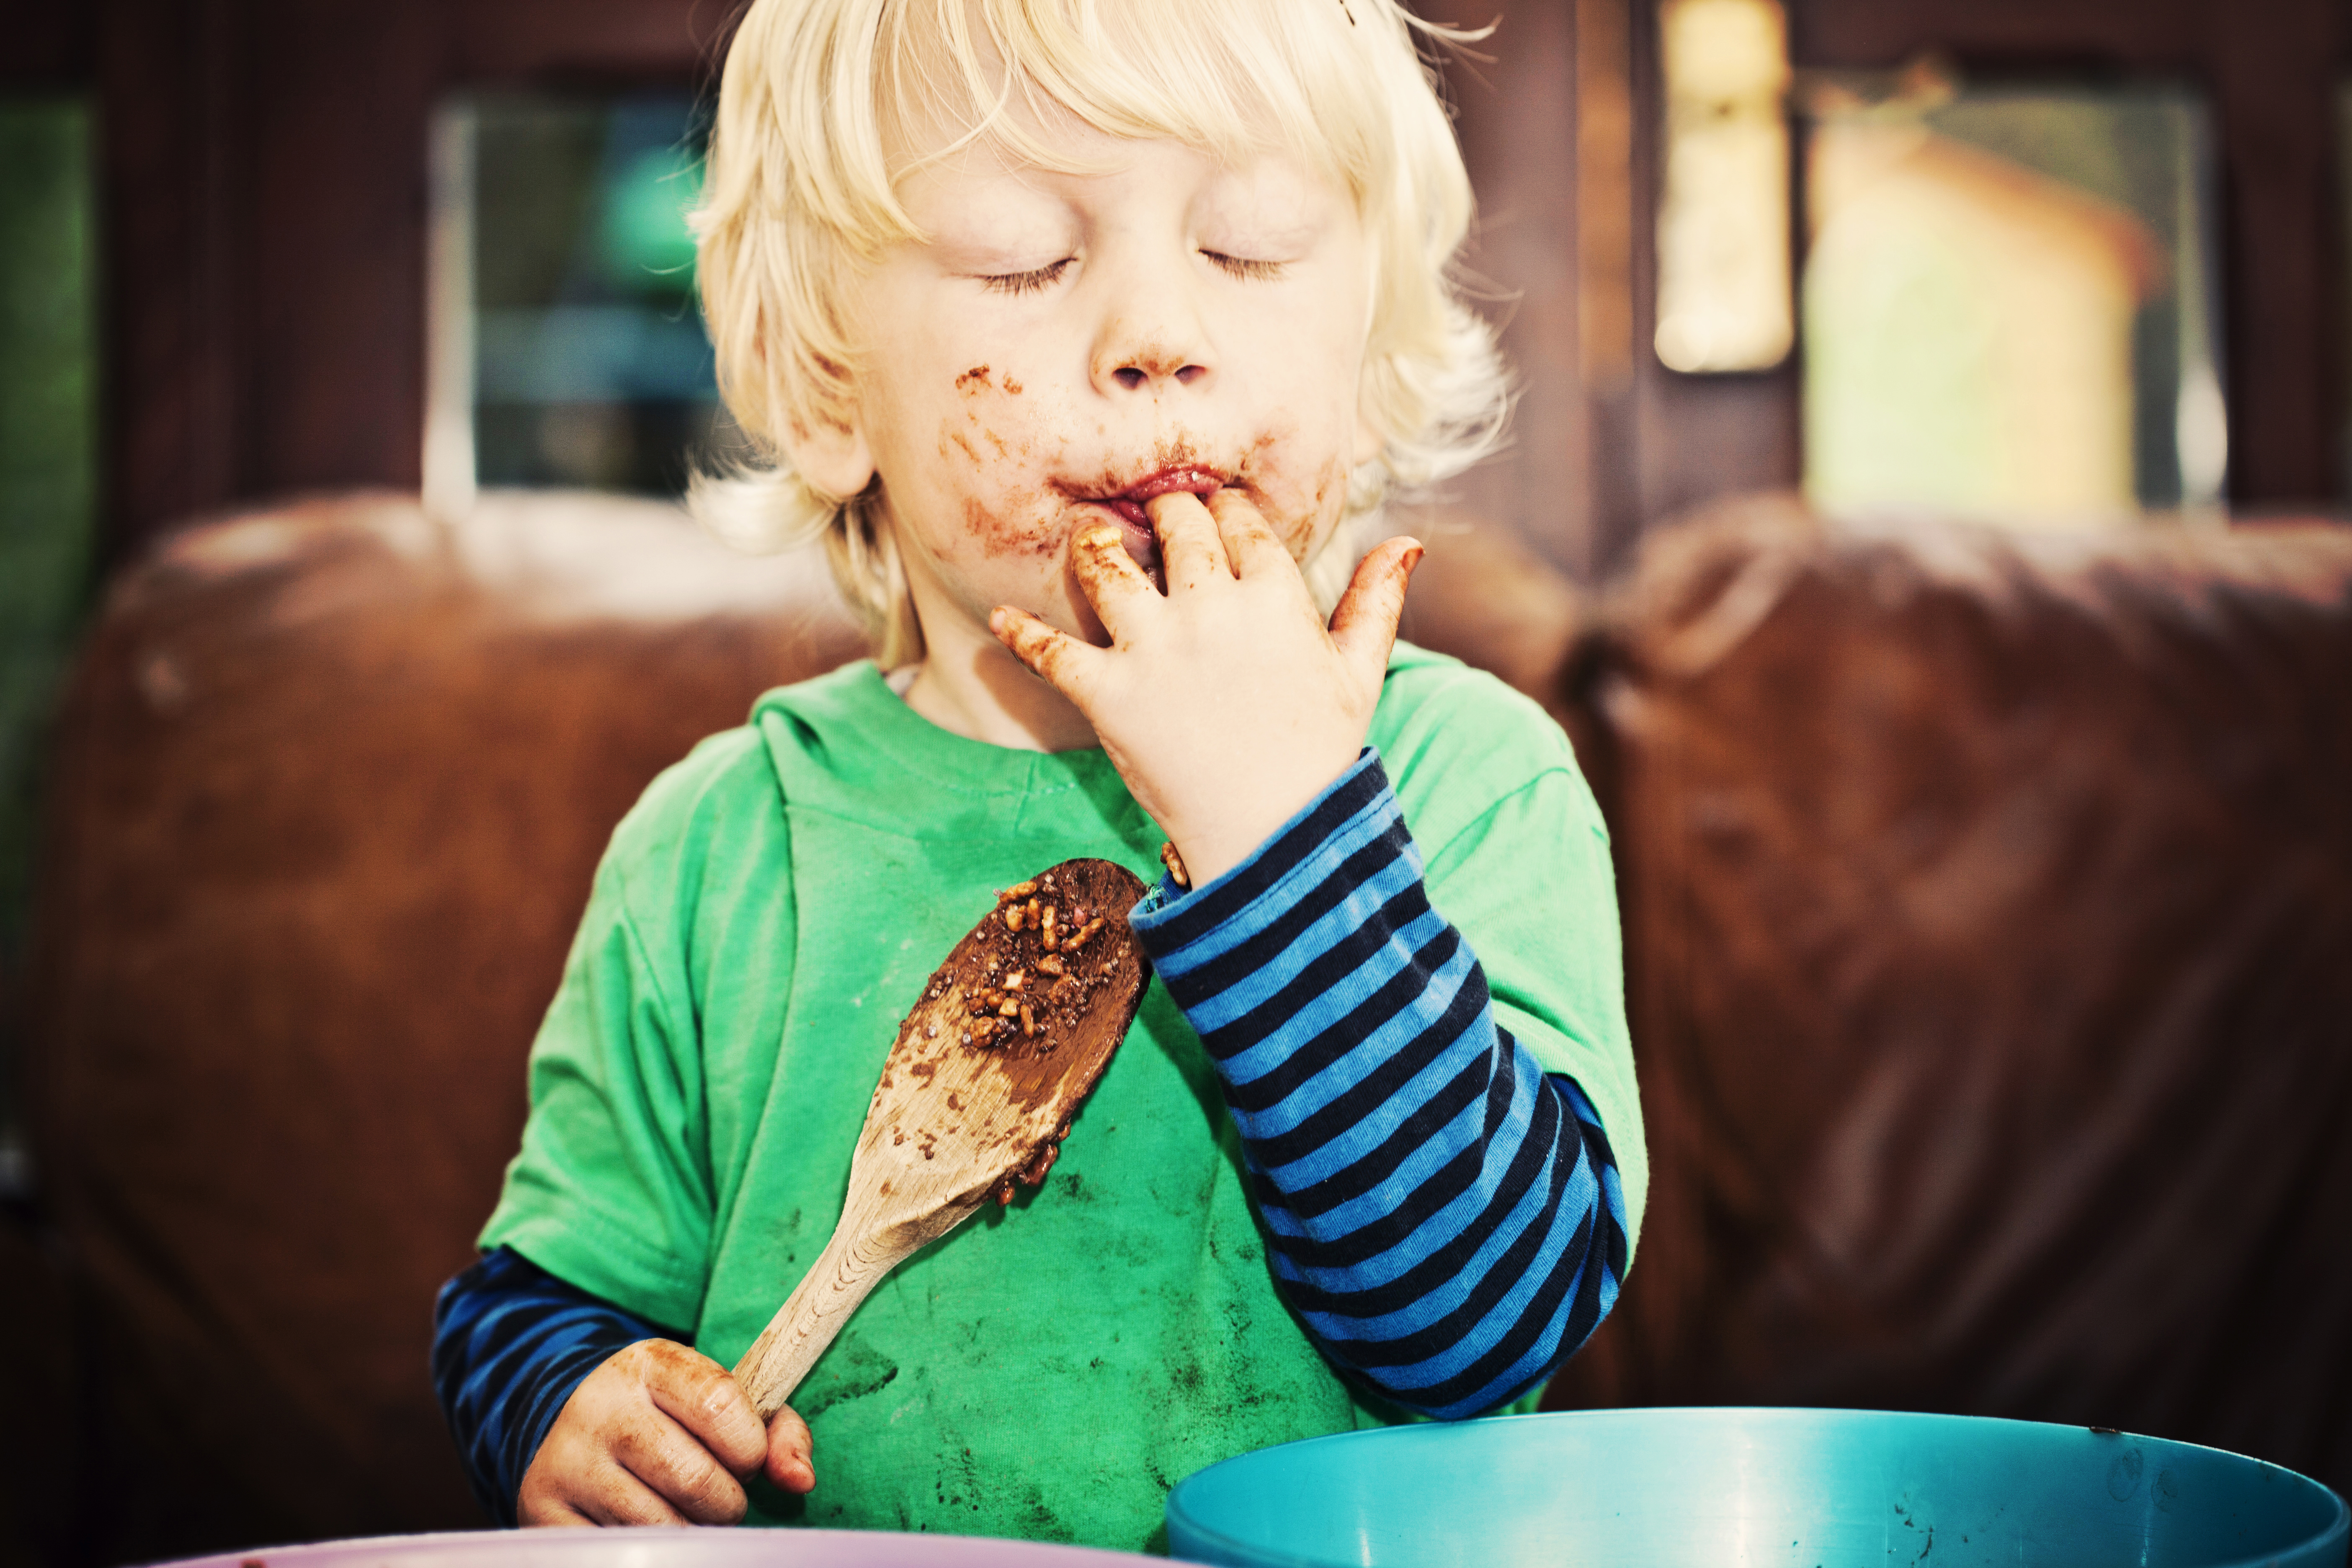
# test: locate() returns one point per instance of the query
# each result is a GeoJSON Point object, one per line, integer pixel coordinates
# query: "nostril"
{"type": "Point", "coordinates": [1191, 374]}
{"type": "Point", "coordinates": [1129, 376]}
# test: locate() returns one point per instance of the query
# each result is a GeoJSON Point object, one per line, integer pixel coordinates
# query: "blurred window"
{"type": "Point", "coordinates": [48, 470]}
{"type": "Point", "coordinates": [567, 348]}
{"type": "Point", "coordinates": [2009, 302]}
{"type": "Point", "coordinates": [1723, 222]}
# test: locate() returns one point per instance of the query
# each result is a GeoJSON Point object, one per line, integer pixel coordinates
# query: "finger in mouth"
{"type": "Point", "coordinates": [1130, 503]}
{"type": "Point", "coordinates": [1169, 480]}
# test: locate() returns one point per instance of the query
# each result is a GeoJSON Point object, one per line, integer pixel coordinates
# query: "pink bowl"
{"type": "Point", "coordinates": [670, 1548]}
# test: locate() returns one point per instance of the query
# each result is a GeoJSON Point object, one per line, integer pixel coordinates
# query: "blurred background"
{"type": "Point", "coordinates": [1995, 356]}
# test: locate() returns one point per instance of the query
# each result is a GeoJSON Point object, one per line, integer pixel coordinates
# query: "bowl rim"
{"type": "Point", "coordinates": [297, 1554]}
{"type": "Point", "coordinates": [2338, 1528]}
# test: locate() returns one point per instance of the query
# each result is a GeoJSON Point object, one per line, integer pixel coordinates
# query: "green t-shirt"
{"type": "Point", "coordinates": [771, 909]}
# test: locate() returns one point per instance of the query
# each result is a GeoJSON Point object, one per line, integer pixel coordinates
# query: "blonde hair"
{"type": "Point", "coordinates": [818, 95]}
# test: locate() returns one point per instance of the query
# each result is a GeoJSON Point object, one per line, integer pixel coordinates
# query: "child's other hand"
{"type": "Point", "coordinates": [658, 1434]}
{"type": "Point", "coordinates": [1228, 704]}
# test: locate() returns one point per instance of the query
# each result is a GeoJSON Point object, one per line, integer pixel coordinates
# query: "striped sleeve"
{"type": "Point", "coordinates": [511, 1342]}
{"type": "Point", "coordinates": [1446, 1219]}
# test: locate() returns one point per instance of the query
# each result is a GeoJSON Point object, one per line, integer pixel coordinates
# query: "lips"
{"type": "Point", "coordinates": [1129, 502]}
{"type": "Point", "coordinates": [1128, 505]}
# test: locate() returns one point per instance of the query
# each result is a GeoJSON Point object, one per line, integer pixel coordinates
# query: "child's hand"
{"type": "Point", "coordinates": [1227, 705]}
{"type": "Point", "coordinates": [658, 1434]}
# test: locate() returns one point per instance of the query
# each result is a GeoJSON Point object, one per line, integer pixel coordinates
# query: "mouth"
{"type": "Point", "coordinates": [1129, 502]}
{"type": "Point", "coordinates": [1128, 505]}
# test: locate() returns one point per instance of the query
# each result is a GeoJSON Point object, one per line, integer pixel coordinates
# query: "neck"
{"type": "Point", "coordinates": [969, 685]}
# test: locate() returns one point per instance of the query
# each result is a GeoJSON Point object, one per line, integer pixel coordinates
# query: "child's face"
{"type": "Point", "coordinates": [1066, 346]}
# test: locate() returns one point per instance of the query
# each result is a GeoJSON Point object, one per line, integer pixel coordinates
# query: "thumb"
{"type": "Point", "coordinates": [789, 1463]}
{"type": "Point", "coordinates": [1364, 626]}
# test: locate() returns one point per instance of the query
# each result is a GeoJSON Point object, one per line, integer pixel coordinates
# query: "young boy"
{"type": "Point", "coordinates": [1077, 327]}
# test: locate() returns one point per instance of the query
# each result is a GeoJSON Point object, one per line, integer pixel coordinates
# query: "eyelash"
{"type": "Point", "coordinates": [1030, 282]}
{"type": "Point", "coordinates": [1257, 270]}
{"type": "Point", "coordinates": [1025, 283]}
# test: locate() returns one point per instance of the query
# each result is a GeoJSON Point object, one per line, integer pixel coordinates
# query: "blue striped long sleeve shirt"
{"type": "Point", "coordinates": [1447, 1220]}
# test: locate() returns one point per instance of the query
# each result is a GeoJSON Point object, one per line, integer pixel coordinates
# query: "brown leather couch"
{"type": "Point", "coordinates": [1988, 908]}
{"type": "Point", "coordinates": [1989, 938]}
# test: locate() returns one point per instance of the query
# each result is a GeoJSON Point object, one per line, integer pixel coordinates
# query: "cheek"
{"type": "Point", "coordinates": [1010, 522]}
{"type": "Point", "coordinates": [1301, 501]}
{"type": "Point", "coordinates": [1319, 387]}
{"type": "Point", "coordinates": [1331, 499]}
{"type": "Point", "coordinates": [990, 421]}
{"type": "Point", "coordinates": [991, 445]}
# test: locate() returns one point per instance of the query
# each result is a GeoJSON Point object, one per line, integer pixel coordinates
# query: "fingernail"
{"type": "Point", "coordinates": [1100, 537]}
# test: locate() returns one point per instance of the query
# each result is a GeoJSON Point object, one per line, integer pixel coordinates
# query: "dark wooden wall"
{"type": "Point", "coordinates": [264, 209]}
{"type": "Point", "coordinates": [264, 215]}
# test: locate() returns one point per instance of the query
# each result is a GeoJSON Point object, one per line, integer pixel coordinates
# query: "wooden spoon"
{"type": "Point", "coordinates": [1008, 1037]}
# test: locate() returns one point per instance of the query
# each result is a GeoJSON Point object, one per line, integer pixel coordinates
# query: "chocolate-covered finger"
{"type": "Point", "coordinates": [1053, 656]}
{"type": "Point", "coordinates": [666, 1458]}
{"type": "Point", "coordinates": [1190, 554]}
{"type": "Point", "coordinates": [702, 1397]}
{"type": "Point", "coordinates": [1249, 541]}
{"type": "Point", "coordinates": [536, 1507]}
{"type": "Point", "coordinates": [1113, 584]}
{"type": "Point", "coordinates": [791, 1463]}
{"type": "Point", "coordinates": [1364, 624]}
{"type": "Point", "coordinates": [615, 1496]}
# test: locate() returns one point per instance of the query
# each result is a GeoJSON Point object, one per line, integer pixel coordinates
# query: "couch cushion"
{"type": "Point", "coordinates": [1990, 901]}
{"type": "Point", "coordinates": [330, 786]}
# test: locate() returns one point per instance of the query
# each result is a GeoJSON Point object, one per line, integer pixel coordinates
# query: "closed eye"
{"type": "Point", "coordinates": [1240, 268]}
{"type": "Point", "coordinates": [1025, 282]}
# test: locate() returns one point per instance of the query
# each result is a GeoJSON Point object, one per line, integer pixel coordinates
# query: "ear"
{"type": "Point", "coordinates": [833, 459]}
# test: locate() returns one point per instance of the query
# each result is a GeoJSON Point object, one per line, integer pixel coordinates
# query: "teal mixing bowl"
{"type": "Point", "coordinates": [1774, 1489]}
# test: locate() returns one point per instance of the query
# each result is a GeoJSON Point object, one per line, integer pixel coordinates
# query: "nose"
{"type": "Point", "coordinates": [1156, 363]}
{"type": "Point", "coordinates": [1153, 339]}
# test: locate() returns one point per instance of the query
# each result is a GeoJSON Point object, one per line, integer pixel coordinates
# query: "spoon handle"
{"type": "Point", "coordinates": [851, 1264]}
